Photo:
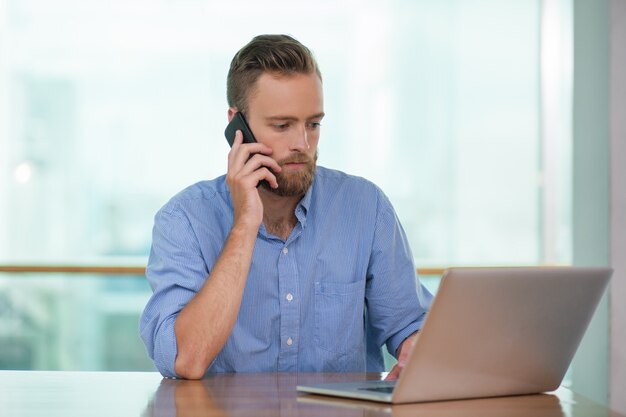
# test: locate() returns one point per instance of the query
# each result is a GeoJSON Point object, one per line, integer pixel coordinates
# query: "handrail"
{"type": "Point", "coordinates": [74, 269]}
{"type": "Point", "coordinates": [119, 270]}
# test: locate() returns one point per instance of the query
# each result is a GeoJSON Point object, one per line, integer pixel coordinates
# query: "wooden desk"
{"type": "Point", "coordinates": [119, 394]}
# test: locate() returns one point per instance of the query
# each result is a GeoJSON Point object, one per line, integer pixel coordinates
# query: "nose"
{"type": "Point", "coordinates": [300, 141]}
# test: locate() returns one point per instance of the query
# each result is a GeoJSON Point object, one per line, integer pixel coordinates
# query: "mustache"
{"type": "Point", "coordinates": [296, 158]}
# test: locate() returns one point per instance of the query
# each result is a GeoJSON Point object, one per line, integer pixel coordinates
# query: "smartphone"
{"type": "Point", "coordinates": [238, 122]}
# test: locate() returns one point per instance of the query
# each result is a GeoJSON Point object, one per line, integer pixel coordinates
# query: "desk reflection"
{"type": "Point", "coordinates": [132, 394]}
{"type": "Point", "coordinates": [275, 395]}
{"type": "Point", "coordinates": [246, 395]}
{"type": "Point", "coordinates": [544, 405]}
{"type": "Point", "coordinates": [183, 399]}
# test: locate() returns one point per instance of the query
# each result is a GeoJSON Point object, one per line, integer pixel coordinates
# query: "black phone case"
{"type": "Point", "coordinates": [238, 123]}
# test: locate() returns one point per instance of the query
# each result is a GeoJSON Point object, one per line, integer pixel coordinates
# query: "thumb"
{"type": "Point", "coordinates": [394, 373]}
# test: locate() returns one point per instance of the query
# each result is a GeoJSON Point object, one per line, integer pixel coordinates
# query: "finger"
{"type": "Point", "coordinates": [237, 141]}
{"type": "Point", "coordinates": [233, 149]}
{"type": "Point", "coordinates": [251, 179]}
{"type": "Point", "coordinates": [259, 160]}
{"type": "Point", "coordinates": [263, 174]}
{"type": "Point", "coordinates": [241, 154]}
{"type": "Point", "coordinates": [238, 138]}
{"type": "Point", "coordinates": [393, 374]}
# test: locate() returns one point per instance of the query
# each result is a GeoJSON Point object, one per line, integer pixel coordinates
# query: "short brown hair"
{"type": "Point", "coordinates": [279, 54]}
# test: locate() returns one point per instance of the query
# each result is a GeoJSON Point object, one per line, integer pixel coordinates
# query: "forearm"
{"type": "Point", "coordinates": [204, 325]}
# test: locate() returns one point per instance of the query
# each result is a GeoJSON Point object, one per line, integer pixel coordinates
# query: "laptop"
{"type": "Point", "coordinates": [491, 332]}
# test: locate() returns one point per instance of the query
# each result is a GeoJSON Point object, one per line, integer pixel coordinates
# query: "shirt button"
{"type": "Point", "coordinates": [289, 341]}
{"type": "Point", "coordinates": [285, 250]}
{"type": "Point", "coordinates": [289, 297]}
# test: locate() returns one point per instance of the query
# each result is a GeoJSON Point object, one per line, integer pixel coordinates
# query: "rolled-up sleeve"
{"type": "Point", "coordinates": [397, 302]}
{"type": "Point", "coordinates": [176, 271]}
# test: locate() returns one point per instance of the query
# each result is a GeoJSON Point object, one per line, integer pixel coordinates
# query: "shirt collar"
{"type": "Point", "coordinates": [303, 206]}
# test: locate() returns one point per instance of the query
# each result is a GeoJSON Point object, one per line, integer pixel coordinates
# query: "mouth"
{"type": "Point", "coordinates": [295, 164]}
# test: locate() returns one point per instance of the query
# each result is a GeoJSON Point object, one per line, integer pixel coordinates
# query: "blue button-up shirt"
{"type": "Point", "coordinates": [326, 299]}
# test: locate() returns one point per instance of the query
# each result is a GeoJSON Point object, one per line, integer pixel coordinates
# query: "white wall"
{"type": "Point", "coordinates": [617, 95]}
{"type": "Point", "coordinates": [4, 130]}
{"type": "Point", "coordinates": [590, 193]}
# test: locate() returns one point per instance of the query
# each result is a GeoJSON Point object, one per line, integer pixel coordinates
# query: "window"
{"type": "Point", "coordinates": [111, 107]}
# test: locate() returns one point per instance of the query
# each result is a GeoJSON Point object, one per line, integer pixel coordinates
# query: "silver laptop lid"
{"type": "Point", "coordinates": [501, 331]}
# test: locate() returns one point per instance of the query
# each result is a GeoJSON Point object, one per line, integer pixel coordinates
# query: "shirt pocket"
{"type": "Point", "coordinates": [339, 311]}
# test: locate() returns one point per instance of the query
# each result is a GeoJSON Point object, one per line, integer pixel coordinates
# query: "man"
{"type": "Point", "coordinates": [279, 265]}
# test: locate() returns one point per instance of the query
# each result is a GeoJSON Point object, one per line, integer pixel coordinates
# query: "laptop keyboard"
{"type": "Point", "coordinates": [386, 390]}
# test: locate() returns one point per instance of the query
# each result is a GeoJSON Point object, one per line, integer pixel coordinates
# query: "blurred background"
{"type": "Point", "coordinates": [463, 112]}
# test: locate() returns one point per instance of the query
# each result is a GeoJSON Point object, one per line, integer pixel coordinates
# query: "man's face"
{"type": "Point", "coordinates": [284, 113]}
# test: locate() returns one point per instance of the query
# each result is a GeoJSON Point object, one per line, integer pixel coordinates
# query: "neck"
{"type": "Point", "coordinates": [279, 213]}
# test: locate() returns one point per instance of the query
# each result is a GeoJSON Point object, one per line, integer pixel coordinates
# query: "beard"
{"type": "Point", "coordinates": [293, 183]}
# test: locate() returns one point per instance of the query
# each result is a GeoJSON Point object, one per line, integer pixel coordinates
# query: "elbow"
{"type": "Point", "coordinates": [188, 369]}
{"type": "Point", "coordinates": [189, 373]}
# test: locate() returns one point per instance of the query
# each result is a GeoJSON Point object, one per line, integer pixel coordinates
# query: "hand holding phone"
{"type": "Point", "coordinates": [238, 122]}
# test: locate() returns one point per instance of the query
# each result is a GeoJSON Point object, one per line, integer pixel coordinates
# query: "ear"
{"type": "Point", "coordinates": [231, 113]}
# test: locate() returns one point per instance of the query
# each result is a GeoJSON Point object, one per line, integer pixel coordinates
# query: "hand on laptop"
{"type": "Point", "coordinates": [404, 350]}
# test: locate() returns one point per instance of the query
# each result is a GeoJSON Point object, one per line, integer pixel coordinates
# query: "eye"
{"type": "Point", "coordinates": [314, 125]}
{"type": "Point", "coordinates": [281, 126]}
